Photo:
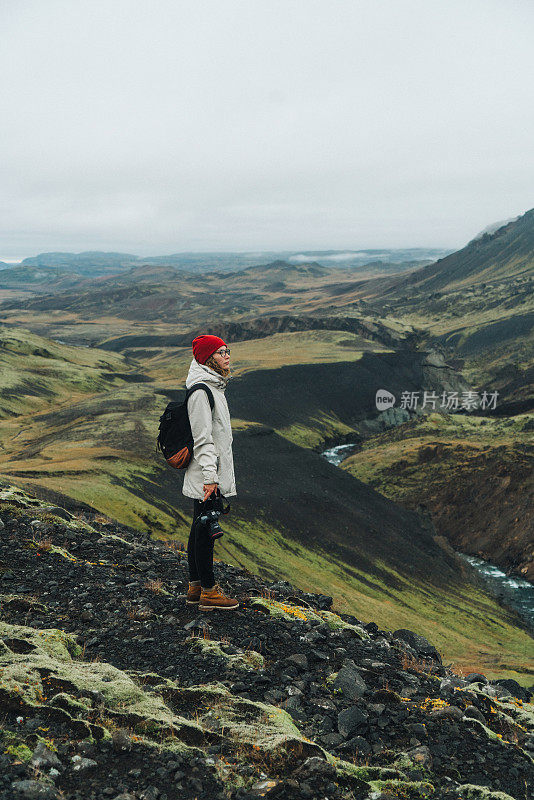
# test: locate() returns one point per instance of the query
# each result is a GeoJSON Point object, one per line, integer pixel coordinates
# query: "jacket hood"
{"type": "Point", "coordinates": [202, 373]}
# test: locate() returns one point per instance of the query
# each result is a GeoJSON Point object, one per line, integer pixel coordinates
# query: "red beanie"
{"type": "Point", "coordinates": [205, 345]}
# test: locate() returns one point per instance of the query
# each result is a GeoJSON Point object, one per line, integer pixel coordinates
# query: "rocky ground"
{"type": "Point", "coordinates": [112, 687]}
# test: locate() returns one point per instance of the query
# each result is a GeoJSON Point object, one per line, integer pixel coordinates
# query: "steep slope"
{"type": "Point", "coordinates": [507, 253]}
{"type": "Point", "coordinates": [344, 389]}
{"type": "Point", "coordinates": [494, 226]}
{"type": "Point", "coordinates": [110, 683]}
{"type": "Point", "coordinates": [35, 372]}
{"type": "Point", "coordinates": [474, 475]}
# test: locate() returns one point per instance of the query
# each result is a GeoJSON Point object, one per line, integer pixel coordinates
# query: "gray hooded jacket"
{"type": "Point", "coordinates": [212, 460]}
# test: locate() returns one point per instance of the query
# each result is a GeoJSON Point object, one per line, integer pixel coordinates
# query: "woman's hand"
{"type": "Point", "coordinates": [208, 489]}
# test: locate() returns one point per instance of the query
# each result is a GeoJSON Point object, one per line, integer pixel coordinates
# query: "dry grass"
{"type": "Point", "coordinates": [139, 613]}
{"type": "Point", "coordinates": [173, 544]}
{"type": "Point", "coordinates": [267, 594]}
{"type": "Point", "coordinates": [103, 520]}
{"type": "Point", "coordinates": [43, 544]}
{"type": "Point", "coordinates": [418, 665]}
{"type": "Point", "coordinates": [154, 585]}
{"type": "Point", "coordinates": [81, 657]}
{"type": "Point", "coordinates": [462, 671]}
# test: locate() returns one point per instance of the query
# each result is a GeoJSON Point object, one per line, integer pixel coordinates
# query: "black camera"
{"type": "Point", "coordinates": [209, 518]}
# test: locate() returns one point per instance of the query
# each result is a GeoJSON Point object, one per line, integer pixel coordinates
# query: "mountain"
{"type": "Point", "coordinates": [148, 293]}
{"type": "Point", "coordinates": [505, 254]}
{"type": "Point", "coordinates": [32, 280]}
{"type": "Point", "coordinates": [476, 306]}
{"type": "Point", "coordinates": [112, 686]}
{"type": "Point", "coordinates": [102, 263]}
{"type": "Point", "coordinates": [283, 269]}
{"type": "Point", "coordinates": [494, 226]}
{"type": "Point", "coordinates": [91, 262]}
{"type": "Point", "coordinates": [89, 257]}
{"type": "Point", "coordinates": [35, 372]}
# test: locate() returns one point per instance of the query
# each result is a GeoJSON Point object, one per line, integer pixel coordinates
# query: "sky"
{"type": "Point", "coordinates": [160, 126]}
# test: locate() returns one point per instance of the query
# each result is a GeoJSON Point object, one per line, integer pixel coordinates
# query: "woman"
{"type": "Point", "coordinates": [210, 472]}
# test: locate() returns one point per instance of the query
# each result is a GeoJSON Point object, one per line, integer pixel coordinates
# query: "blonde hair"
{"type": "Point", "coordinates": [224, 371]}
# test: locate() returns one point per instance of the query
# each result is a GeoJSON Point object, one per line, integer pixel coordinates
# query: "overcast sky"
{"type": "Point", "coordinates": [158, 126]}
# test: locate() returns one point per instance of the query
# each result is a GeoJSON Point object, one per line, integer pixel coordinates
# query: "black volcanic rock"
{"type": "Point", "coordinates": [418, 643]}
{"type": "Point", "coordinates": [140, 633]}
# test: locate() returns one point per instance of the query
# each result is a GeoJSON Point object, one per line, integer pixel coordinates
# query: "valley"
{"type": "Point", "coordinates": [87, 370]}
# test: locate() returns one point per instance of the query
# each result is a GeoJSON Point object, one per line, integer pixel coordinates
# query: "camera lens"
{"type": "Point", "coordinates": [210, 522]}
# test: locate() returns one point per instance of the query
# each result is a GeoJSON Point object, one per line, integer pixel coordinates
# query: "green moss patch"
{"type": "Point", "coordinates": [318, 428]}
{"type": "Point", "coordinates": [13, 499]}
{"type": "Point", "coordinates": [14, 496]}
{"type": "Point", "coordinates": [295, 612]}
{"type": "Point", "coordinates": [247, 660]}
{"type": "Point", "coordinates": [470, 791]}
{"type": "Point", "coordinates": [336, 623]}
{"type": "Point", "coordinates": [407, 790]}
{"type": "Point", "coordinates": [41, 674]}
{"type": "Point", "coordinates": [21, 602]}
{"type": "Point", "coordinates": [38, 672]}
{"type": "Point", "coordinates": [13, 746]}
{"type": "Point", "coordinates": [256, 729]}
{"type": "Point", "coordinates": [346, 769]}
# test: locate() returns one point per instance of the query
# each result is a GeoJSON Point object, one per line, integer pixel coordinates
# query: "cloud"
{"type": "Point", "coordinates": [302, 258]}
{"type": "Point", "coordinates": [159, 126]}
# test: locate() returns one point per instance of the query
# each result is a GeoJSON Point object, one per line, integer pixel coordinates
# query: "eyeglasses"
{"type": "Point", "coordinates": [225, 350]}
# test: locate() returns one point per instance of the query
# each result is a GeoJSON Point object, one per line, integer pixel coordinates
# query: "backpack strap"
{"type": "Point", "coordinates": [206, 388]}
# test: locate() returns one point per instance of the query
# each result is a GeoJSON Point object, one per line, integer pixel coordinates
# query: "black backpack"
{"type": "Point", "coordinates": [175, 439]}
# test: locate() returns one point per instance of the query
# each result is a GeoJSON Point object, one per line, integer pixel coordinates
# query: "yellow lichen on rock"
{"type": "Point", "coordinates": [284, 610]}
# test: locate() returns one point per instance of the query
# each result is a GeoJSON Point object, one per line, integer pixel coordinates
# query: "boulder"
{"type": "Point", "coordinates": [418, 643]}
{"type": "Point", "coordinates": [349, 680]}
{"type": "Point", "coordinates": [351, 720]}
{"type": "Point", "coordinates": [514, 688]}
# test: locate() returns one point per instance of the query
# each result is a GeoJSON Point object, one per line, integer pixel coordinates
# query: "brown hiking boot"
{"type": "Point", "coordinates": [215, 598]}
{"type": "Point", "coordinates": [193, 594]}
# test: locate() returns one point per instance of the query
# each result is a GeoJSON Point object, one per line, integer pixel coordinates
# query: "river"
{"type": "Point", "coordinates": [511, 590]}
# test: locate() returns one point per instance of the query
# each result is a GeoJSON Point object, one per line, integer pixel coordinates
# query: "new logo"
{"type": "Point", "coordinates": [384, 399]}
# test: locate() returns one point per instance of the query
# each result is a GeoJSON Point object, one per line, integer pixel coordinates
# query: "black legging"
{"type": "Point", "coordinates": [200, 548]}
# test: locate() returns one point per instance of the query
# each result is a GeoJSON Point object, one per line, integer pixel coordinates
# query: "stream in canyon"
{"type": "Point", "coordinates": [511, 590]}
